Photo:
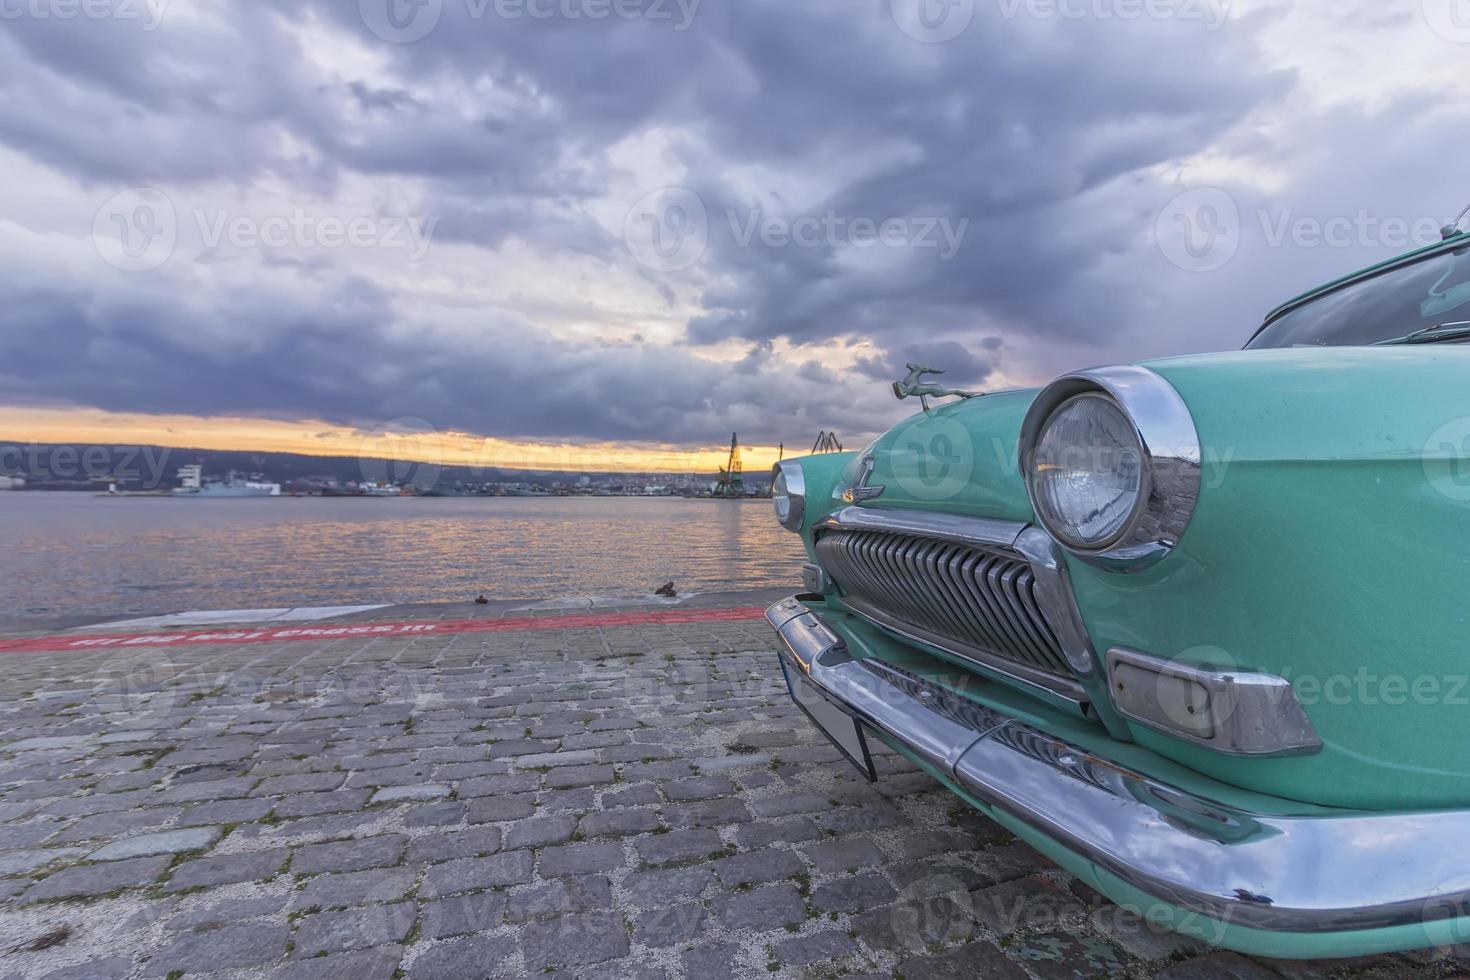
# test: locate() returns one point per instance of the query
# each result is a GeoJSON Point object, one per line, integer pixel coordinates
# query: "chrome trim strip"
{"type": "Point", "coordinates": [1301, 873]}
{"type": "Point", "coordinates": [1250, 713]}
{"type": "Point", "coordinates": [1171, 450]}
{"type": "Point", "coordinates": [795, 493]}
{"type": "Point", "coordinates": [983, 531]}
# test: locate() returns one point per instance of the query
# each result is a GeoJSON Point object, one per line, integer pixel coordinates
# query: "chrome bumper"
{"type": "Point", "coordinates": [1313, 873]}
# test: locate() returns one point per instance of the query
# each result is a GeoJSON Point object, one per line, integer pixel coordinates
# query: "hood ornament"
{"type": "Point", "coordinates": [862, 490]}
{"type": "Point", "coordinates": [913, 384]}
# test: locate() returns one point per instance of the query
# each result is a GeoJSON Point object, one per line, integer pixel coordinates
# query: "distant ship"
{"type": "Point", "coordinates": [192, 484]}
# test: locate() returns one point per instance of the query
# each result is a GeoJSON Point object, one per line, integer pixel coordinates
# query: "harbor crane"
{"type": "Point", "coordinates": [732, 481]}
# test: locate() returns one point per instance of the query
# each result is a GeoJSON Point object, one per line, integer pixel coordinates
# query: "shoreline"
{"type": "Point", "coordinates": [18, 627]}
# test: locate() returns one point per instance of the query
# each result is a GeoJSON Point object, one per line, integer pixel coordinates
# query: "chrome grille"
{"type": "Point", "coordinates": [972, 601]}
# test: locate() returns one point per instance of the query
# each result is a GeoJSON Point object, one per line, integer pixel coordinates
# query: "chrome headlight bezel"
{"type": "Point", "coordinates": [789, 473]}
{"type": "Point", "coordinates": [1170, 478]}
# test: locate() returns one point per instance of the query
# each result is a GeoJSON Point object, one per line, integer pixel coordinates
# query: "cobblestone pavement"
{"type": "Point", "coordinates": [629, 802]}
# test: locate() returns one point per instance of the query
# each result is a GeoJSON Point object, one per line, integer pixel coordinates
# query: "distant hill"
{"type": "Point", "coordinates": [88, 467]}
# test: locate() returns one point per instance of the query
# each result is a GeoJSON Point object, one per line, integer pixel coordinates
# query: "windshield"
{"type": "Point", "coordinates": [1391, 304]}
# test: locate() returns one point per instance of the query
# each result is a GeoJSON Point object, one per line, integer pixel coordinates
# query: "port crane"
{"type": "Point", "coordinates": [732, 481]}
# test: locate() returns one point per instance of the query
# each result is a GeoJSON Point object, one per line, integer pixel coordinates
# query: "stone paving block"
{"type": "Point", "coordinates": [818, 947]}
{"type": "Point", "coordinates": [536, 832]}
{"type": "Point", "coordinates": [111, 968]}
{"type": "Point", "coordinates": [306, 782]}
{"type": "Point", "coordinates": [851, 854]}
{"type": "Point", "coordinates": [435, 815]}
{"type": "Point", "coordinates": [225, 811]}
{"type": "Point", "coordinates": [575, 859]}
{"type": "Point", "coordinates": [227, 912]}
{"type": "Point", "coordinates": [31, 834]}
{"type": "Point", "coordinates": [764, 908]}
{"type": "Point", "coordinates": [227, 869]}
{"type": "Point", "coordinates": [1069, 956]}
{"type": "Point", "coordinates": [369, 964]}
{"type": "Point", "coordinates": [465, 959]}
{"type": "Point", "coordinates": [473, 874]}
{"type": "Point", "coordinates": [359, 928]}
{"type": "Point", "coordinates": [475, 842]}
{"type": "Point", "coordinates": [215, 789]}
{"type": "Point", "coordinates": [979, 959]}
{"type": "Point", "coordinates": [416, 793]}
{"type": "Point", "coordinates": [853, 893]}
{"type": "Point", "coordinates": [574, 940]}
{"type": "Point", "coordinates": [1217, 966]}
{"type": "Point", "coordinates": [791, 831]}
{"type": "Point", "coordinates": [698, 788]}
{"type": "Point", "coordinates": [499, 809]}
{"type": "Point", "coordinates": [558, 898]}
{"type": "Point", "coordinates": [462, 915]}
{"type": "Point", "coordinates": [790, 803]}
{"type": "Point", "coordinates": [715, 961]}
{"type": "Point", "coordinates": [91, 880]}
{"type": "Point", "coordinates": [649, 889]}
{"type": "Point", "coordinates": [636, 795]}
{"type": "Point", "coordinates": [621, 822]}
{"type": "Point", "coordinates": [348, 855]}
{"type": "Point", "coordinates": [331, 891]}
{"type": "Point", "coordinates": [24, 862]}
{"type": "Point", "coordinates": [707, 813]}
{"type": "Point", "coordinates": [680, 845]}
{"type": "Point", "coordinates": [165, 842]}
{"type": "Point", "coordinates": [1026, 903]}
{"type": "Point", "coordinates": [233, 947]}
{"type": "Point", "coordinates": [669, 926]}
{"type": "Point", "coordinates": [316, 804]}
{"type": "Point", "coordinates": [757, 866]}
{"type": "Point", "coordinates": [502, 785]}
{"type": "Point", "coordinates": [574, 776]}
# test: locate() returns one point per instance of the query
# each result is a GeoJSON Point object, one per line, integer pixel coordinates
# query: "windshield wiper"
{"type": "Point", "coordinates": [1439, 333]}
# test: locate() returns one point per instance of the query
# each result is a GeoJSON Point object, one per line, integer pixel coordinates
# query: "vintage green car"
{"type": "Point", "coordinates": [1193, 628]}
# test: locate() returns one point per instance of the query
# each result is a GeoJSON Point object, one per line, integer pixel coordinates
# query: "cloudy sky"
{"type": "Point", "coordinates": [609, 232]}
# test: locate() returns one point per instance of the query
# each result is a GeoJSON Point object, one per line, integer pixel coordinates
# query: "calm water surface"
{"type": "Point", "coordinates": [65, 554]}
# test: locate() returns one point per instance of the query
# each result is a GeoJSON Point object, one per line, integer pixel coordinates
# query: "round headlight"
{"type": "Point", "coordinates": [788, 495]}
{"type": "Point", "coordinates": [1112, 463]}
{"type": "Point", "coordinates": [1087, 472]}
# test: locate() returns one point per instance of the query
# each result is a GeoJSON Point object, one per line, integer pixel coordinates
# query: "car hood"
{"type": "Point", "coordinates": [959, 458]}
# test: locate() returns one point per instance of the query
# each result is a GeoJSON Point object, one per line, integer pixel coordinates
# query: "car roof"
{"type": "Point", "coordinates": [1454, 241]}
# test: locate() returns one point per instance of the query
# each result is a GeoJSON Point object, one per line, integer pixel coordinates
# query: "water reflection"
{"type": "Point", "coordinates": [63, 554]}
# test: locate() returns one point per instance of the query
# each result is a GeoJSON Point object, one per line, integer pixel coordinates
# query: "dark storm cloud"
{"type": "Point", "coordinates": [1018, 158]}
